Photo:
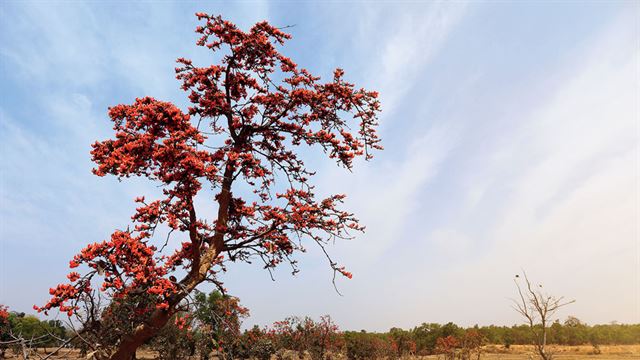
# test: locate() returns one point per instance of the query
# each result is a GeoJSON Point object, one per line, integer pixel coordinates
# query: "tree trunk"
{"type": "Point", "coordinates": [159, 318]}
{"type": "Point", "coordinates": [129, 344]}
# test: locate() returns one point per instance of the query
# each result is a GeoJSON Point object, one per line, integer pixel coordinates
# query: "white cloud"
{"type": "Point", "coordinates": [64, 65]}
{"type": "Point", "coordinates": [383, 193]}
{"type": "Point", "coordinates": [385, 196]}
{"type": "Point", "coordinates": [559, 190]}
{"type": "Point", "coordinates": [570, 206]}
{"type": "Point", "coordinates": [407, 47]}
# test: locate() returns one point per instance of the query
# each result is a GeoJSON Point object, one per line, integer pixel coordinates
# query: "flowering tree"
{"type": "Point", "coordinates": [447, 347]}
{"type": "Point", "coordinates": [403, 342]}
{"type": "Point", "coordinates": [364, 346]}
{"type": "Point", "coordinates": [471, 343]}
{"type": "Point", "coordinates": [5, 329]}
{"type": "Point", "coordinates": [304, 334]}
{"type": "Point", "coordinates": [176, 340]}
{"type": "Point", "coordinates": [219, 318]}
{"type": "Point", "coordinates": [258, 344]}
{"type": "Point", "coordinates": [325, 338]}
{"type": "Point", "coordinates": [249, 115]}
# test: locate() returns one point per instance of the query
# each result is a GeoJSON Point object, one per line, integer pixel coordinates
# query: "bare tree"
{"type": "Point", "coordinates": [538, 308]}
{"type": "Point", "coordinates": [27, 347]}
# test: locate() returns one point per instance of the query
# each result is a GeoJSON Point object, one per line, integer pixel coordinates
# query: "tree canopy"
{"type": "Point", "coordinates": [249, 115]}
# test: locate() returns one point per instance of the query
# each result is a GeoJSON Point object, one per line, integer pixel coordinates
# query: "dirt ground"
{"type": "Point", "coordinates": [490, 352]}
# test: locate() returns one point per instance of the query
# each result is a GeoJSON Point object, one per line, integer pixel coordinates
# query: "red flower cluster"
{"type": "Point", "coordinates": [445, 345]}
{"type": "Point", "coordinates": [303, 334]}
{"type": "Point", "coordinates": [4, 314]}
{"type": "Point", "coordinates": [127, 264]}
{"type": "Point", "coordinates": [5, 325]}
{"type": "Point", "coordinates": [183, 322]}
{"type": "Point", "coordinates": [249, 114]}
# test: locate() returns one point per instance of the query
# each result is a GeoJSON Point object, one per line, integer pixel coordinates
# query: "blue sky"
{"type": "Point", "coordinates": [511, 132]}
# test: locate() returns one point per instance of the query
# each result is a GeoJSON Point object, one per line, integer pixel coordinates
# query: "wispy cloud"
{"type": "Point", "coordinates": [62, 67]}
{"type": "Point", "coordinates": [408, 47]}
{"type": "Point", "coordinates": [404, 51]}
{"type": "Point", "coordinates": [509, 144]}
{"type": "Point", "coordinates": [569, 212]}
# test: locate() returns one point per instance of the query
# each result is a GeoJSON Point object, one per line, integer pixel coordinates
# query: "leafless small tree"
{"type": "Point", "coordinates": [28, 346]}
{"type": "Point", "coordinates": [22, 345]}
{"type": "Point", "coordinates": [537, 308]}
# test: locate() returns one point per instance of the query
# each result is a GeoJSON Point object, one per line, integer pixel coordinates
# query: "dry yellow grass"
{"type": "Point", "coordinates": [525, 352]}
{"type": "Point", "coordinates": [490, 352]}
{"type": "Point", "coordinates": [618, 350]}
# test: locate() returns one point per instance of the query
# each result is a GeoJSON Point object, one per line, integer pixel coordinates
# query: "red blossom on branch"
{"type": "Point", "coordinates": [249, 116]}
{"type": "Point", "coordinates": [4, 314]}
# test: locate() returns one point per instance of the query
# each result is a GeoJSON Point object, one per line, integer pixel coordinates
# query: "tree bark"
{"type": "Point", "coordinates": [160, 317]}
{"type": "Point", "coordinates": [129, 344]}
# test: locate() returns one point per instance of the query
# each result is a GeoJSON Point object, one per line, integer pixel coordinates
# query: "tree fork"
{"type": "Point", "coordinates": [257, 126]}
{"type": "Point", "coordinates": [160, 317]}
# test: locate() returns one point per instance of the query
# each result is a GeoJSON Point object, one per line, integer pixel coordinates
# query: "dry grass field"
{"type": "Point", "coordinates": [521, 352]}
{"type": "Point", "coordinates": [525, 352]}
{"type": "Point", "coordinates": [490, 352]}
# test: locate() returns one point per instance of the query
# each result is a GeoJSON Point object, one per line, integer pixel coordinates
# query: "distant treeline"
{"type": "Point", "coordinates": [15, 326]}
{"type": "Point", "coordinates": [570, 332]}
{"type": "Point", "coordinates": [213, 323]}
